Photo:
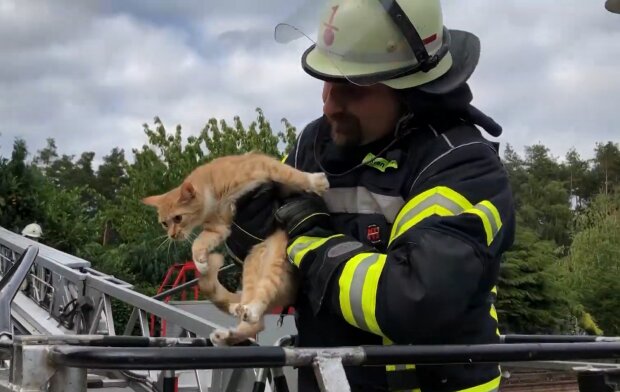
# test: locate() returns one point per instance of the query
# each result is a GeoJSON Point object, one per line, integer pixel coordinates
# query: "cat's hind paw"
{"type": "Point", "coordinates": [252, 313]}
{"type": "Point", "coordinates": [202, 267]}
{"type": "Point", "coordinates": [220, 337]}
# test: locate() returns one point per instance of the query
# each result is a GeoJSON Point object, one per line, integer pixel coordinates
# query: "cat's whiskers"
{"type": "Point", "coordinates": [159, 237]}
{"type": "Point", "coordinates": [168, 252]}
{"type": "Point", "coordinates": [167, 239]}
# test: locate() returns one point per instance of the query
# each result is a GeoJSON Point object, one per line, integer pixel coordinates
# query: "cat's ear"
{"type": "Point", "coordinates": [152, 200]}
{"type": "Point", "coordinates": [187, 192]}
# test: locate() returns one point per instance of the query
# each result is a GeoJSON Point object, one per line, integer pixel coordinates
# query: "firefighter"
{"type": "Point", "coordinates": [405, 246]}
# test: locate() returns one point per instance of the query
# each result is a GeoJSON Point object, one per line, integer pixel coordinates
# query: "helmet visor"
{"type": "Point", "coordinates": [363, 42]}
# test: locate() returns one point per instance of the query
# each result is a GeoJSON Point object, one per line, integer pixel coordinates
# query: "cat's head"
{"type": "Point", "coordinates": [180, 210]}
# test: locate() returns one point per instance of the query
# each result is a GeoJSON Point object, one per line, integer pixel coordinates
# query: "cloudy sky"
{"type": "Point", "coordinates": [90, 73]}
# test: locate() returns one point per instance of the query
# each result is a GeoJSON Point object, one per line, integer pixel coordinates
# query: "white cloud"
{"type": "Point", "coordinates": [90, 73]}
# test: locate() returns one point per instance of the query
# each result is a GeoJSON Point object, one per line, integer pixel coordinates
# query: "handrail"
{"type": "Point", "coordinates": [521, 338]}
{"type": "Point", "coordinates": [178, 358]}
{"type": "Point", "coordinates": [9, 285]}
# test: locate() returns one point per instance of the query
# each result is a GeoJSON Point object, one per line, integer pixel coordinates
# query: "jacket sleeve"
{"type": "Point", "coordinates": [444, 250]}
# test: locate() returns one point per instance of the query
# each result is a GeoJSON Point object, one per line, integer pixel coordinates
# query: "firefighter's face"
{"type": "Point", "coordinates": [359, 115]}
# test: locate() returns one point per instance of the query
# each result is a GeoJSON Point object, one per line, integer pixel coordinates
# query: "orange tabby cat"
{"type": "Point", "coordinates": [207, 198]}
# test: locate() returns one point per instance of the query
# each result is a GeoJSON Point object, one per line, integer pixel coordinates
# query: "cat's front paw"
{"type": "Point", "coordinates": [318, 182]}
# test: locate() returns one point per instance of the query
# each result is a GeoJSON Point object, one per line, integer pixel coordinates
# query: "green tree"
{"type": "Point", "coordinates": [47, 155]}
{"type": "Point", "coordinates": [112, 174]}
{"type": "Point", "coordinates": [577, 175]}
{"type": "Point", "coordinates": [68, 224]}
{"type": "Point", "coordinates": [529, 298]}
{"type": "Point", "coordinates": [19, 183]}
{"type": "Point", "coordinates": [606, 168]}
{"type": "Point", "coordinates": [592, 269]}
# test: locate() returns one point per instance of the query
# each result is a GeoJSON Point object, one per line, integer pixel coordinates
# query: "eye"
{"type": "Point", "coordinates": [177, 219]}
{"type": "Point", "coordinates": [164, 224]}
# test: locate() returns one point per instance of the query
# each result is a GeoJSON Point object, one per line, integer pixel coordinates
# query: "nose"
{"type": "Point", "coordinates": [332, 100]}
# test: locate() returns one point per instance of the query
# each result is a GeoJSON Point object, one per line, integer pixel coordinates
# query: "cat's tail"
{"type": "Point", "coordinates": [211, 286]}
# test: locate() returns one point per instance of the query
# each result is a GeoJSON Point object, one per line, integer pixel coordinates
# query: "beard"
{"type": "Point", "coordinates": [346, 130]}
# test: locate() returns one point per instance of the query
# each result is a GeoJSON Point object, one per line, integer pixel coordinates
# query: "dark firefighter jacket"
{"type": "Point", "coordinates": [415, 255]}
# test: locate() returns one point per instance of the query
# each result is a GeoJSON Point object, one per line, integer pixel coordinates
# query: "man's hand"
{"type": "Point", "coordinates": [254, 220]}
{"type": "Point", "coordinates": [261, 211]}
{"type": "Point", "coordinates": [304, 214]}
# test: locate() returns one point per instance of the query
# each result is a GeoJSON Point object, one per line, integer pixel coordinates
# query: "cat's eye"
{"type": "Point", "coordinates": [164, 224]}
{"type": "Point", "coordinates": [177, 219]}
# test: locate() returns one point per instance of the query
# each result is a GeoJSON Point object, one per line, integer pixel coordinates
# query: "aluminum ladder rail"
{"type": "Point", "coordinates": [59, 282]}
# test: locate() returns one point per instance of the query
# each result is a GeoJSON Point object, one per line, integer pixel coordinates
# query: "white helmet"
{"type": "Point", "coordinates": [400, 43]}
{"type": "Point", "coordinates": [32, 230]}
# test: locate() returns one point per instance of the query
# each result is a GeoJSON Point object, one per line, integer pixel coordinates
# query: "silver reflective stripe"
{"type": "Point", "coordinates": [357, 286]}
{"type": "Point", "coordinates": [343, 248]}
{"type": "Point", "coordinates": [489, 214]}
{"type": "Point", "coordinates": [436, 199]}
{"type": "Point", "coordinates": [359, 200]}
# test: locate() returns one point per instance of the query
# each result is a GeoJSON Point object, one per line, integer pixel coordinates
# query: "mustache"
{"type": "Point", "coordinates": [345, 119]}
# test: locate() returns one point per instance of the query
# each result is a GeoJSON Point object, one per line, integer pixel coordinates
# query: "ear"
{"type": "Point", "coordinates": [152, 200]}
{"type": "Point", "coordinates": [187, 192]}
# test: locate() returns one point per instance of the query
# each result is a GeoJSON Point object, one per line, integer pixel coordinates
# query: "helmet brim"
{"type": "Point", "coordinates": [450, 73]}
{"type": "Point", "coordinates": [465, 51]}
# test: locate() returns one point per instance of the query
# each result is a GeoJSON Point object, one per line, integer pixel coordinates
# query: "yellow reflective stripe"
{"type": "Point", "coordinates": [358, 284]}
{"type": "Point", "coordinates": [485, 223]}
{"type": "Point", "coordinates": [494, 213]}
{"type": "Point", "coordinates": [444, 201]}
{"type": "Point", "coordinates": [490, 218]}
{"type": "Point", "coordinates": [302, 245]}
{"type": "Point", "coordinates": [391, 368]}
{"type": "Point", "coordinates": [490, 386]}
{"type": "Point", "coordinates": [433, 210]}
{"type": "Point", "coordinates": [284, 158]}
{"type": "Point", "coordinates": [454, 196]}
{"type": "Point", "coordinates": [369, 295]}
{"type": "Point", "coordinates": [442, 196]}
{"type": "Point", "coordinates": [493, 312]}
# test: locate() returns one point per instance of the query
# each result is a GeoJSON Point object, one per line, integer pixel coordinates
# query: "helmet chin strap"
{"type": "Point", "coordinates": [400, 19]}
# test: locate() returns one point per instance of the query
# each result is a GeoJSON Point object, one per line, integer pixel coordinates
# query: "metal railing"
{"type": "Point", "coordinates": [63, 295]}
{"type": "Point", "coordinates": [63, 359]}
